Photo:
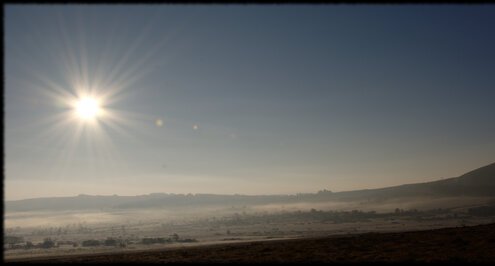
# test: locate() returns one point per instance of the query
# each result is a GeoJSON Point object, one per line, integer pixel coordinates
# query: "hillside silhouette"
{"type": "Point", "coordinates": [477, 183]}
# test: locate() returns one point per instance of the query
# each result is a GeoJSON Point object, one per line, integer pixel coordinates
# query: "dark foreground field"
{"type": "Point", "coordinates": [462, 244]}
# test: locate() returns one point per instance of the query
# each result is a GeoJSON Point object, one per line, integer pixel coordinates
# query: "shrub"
{"type": "Point", "coordinates": [48, 243]}
{"type": "Point", "coordinates": [111, 242]}
{"type": "Point", "coordinates": [29, 245]}
{"type": "Point", "coordinates": [90, 243]}
{"type": "Point", "coordinates": [13, 239]}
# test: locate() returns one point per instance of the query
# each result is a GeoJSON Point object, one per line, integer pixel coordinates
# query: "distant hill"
{"type": "Point", "coordinates": [477, 183]}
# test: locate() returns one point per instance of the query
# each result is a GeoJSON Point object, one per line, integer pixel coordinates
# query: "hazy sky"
{"type": "Point", "coordinates": [245, 99]}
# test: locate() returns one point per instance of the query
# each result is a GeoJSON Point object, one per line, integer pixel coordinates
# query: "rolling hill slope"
{"type": "Point", "coordinates": [477, 183]}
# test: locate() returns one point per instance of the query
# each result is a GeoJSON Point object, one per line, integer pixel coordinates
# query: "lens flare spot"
{"type": "Point", "coordinates": [159, 123]}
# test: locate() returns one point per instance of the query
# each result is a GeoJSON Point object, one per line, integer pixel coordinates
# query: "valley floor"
{"type": "Point", "coordinates": [458, 244]}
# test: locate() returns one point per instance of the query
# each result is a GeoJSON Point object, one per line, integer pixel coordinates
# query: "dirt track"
{"type": "Point", "coordinates": [462, 244]}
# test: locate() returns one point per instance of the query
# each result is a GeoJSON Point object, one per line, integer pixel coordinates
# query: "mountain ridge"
{"type": "Point", "coordinates": [479, 182]}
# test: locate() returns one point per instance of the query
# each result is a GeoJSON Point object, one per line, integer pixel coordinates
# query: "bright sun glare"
{"type": "Point", "coordinates": [88, 108]}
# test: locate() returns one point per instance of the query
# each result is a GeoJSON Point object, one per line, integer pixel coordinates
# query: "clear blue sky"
{"type": "Point", "coordinates": [270, 99]}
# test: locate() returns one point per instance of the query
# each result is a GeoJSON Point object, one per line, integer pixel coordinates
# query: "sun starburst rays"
{"type": "Point", "coordinates": [78, 126]}
{"type": "Point", "coordinates": [80, 120]}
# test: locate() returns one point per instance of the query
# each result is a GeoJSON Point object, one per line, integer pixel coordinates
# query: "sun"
{"type": "Point", "coordinates": [88, 108]}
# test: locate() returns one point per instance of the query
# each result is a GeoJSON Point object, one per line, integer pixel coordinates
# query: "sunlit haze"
{"type": "Point", "coordinates": [244, 99]}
